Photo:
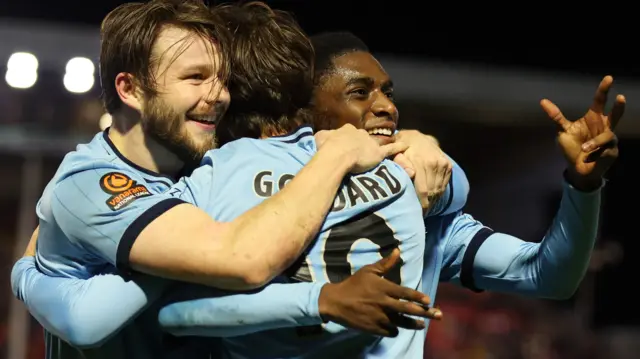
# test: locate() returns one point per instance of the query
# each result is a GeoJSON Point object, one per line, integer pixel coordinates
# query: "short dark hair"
{"type": "Point", "coordinates": [129, 32]}
{"type": "Point", "coordinates": [271, 78]}
{"type": "Point", "coordinates": [330, 45]}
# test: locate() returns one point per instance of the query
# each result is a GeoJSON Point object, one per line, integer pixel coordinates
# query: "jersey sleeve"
{"type": "Point", "coordinates": [82, 312]}
{"type": "Point", "coordinates": [455, 196]}
{"type": "Point", "coordinates": [480, 259]}
{"type": "Point", "coordinates": [225, 314]}
{"type": "Point", "coordinates": [104, 211]}
{"type": "Point", "coordinates": [197, 187]}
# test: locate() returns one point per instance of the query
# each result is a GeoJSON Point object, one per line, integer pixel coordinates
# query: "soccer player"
{"type": "Point", "coordinates": [458, 248]}
{"type": "Point", "coordinates": [108, 207]}
{"type": "Point", "coordinates": [364, 193]}
{"type": "Point", "coordinates": [455, 247]}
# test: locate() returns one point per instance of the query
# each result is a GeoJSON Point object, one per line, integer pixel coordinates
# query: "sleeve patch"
{"type": "Point", "coordinates": [122, 190]}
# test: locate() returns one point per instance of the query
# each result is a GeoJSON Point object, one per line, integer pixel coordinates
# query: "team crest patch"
{"type": "Point", "coordinates": [122, 190]}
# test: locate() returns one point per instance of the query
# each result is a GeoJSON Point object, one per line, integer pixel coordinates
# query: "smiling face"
{"type": "Point", "coordinates": [356, 90]}
{"type": "Point", "coordinates": [190, 98]}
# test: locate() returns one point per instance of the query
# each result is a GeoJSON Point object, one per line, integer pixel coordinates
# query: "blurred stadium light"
{"type": "Point", "coordinates": [22, 70]}
{"type": "Point", "coordinates": [505, 93]}
{"type": "Point", "coordinates": [79, 75]}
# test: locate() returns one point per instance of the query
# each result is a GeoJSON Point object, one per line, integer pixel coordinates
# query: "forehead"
{"type": "Point", "coordinates": [177, 49]}
{"type": "Point", "coordinates": [359, 64]}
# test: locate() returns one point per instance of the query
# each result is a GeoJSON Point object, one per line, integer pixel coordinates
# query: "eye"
{"type": "Point", "coordinates": [359, 92]}
{"type": "Point", "coordinates": [389, 94]}
{"type": "Point", "coordinates": [195, 76]}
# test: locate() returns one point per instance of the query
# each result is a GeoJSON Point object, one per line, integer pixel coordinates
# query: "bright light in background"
{"type": "Point", "coordinates": [78, 77]}
{"type": "Point", "coordinates": [105, 121]}
{"type": "Point", "coordinates": [22, 70]}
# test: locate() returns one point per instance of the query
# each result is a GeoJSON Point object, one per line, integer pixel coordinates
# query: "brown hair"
{"type": "Point", "coordinates": [271, 75]}
{"type": "Point", "coordinates": [129, 32]}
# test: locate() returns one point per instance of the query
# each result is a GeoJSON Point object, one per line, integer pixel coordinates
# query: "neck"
{"type": "Point", "coordinates": [275, 130]}
{"type": "Point", "coordinates": [133, 143]}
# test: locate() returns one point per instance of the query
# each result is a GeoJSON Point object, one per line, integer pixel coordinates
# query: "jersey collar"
{"type": "Point", "coordinates": [294, 136]}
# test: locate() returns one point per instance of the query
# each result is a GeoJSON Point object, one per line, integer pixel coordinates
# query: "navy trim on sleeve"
{"type": "Point", "coordinates": [466, 269]}
{"type": "Point", "coordinates": [136, 227]}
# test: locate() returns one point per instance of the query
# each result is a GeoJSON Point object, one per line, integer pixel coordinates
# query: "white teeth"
{"type": "Point", "coordinates": [380, 131]}
{"type": "Point", "coordinates": [208, 119]}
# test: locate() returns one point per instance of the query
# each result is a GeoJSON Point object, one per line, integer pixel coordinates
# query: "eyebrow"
{"type": "Point", "coordinates": [387, 85]}
{"type": "Point", "coordinates": [197, 67]}
{"type": "Point", "coordinates": [367, 81]}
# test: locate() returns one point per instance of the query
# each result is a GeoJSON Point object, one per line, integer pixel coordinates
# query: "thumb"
{"type": "Point", "coordinates": [394, 148]}
{"type": "Point", "coordinates": [404, 162]}
{"type": "Point", "coordinates": [385, 264]}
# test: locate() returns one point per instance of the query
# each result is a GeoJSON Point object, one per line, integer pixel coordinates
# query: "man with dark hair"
{"type": "Point", "coordinates": [351, 87]}
{"type": "Point", "coordinates": [359, 92]}
{"type": "Point", "coordinates": [112, 206]}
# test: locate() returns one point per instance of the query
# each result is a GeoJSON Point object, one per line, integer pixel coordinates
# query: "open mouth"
{"type": "Point", "coordinates": [205, 120]}
{"type": "Point", "coordinates": [381, 131]}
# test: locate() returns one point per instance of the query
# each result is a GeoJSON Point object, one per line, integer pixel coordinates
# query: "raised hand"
{"type": "Point", "coordinates": [588, 143]}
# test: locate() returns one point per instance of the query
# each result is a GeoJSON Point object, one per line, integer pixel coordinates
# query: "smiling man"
{"type": "Point", "coordinates": [111, 206]}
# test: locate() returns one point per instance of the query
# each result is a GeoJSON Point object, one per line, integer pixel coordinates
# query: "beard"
{"type": "Point", "coordinates": [167, 127]}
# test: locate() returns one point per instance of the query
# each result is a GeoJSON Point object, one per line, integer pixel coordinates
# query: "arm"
{"type": "Point", "coordinates": [227, 315]}
{"type": "Point", "coordinates": [84, 313]}
{"type": "Point", "coordinates": [455, 195]}
{"type": "Point", "coordinates": [479, 258]}
{"type": "Point", "coordinates": [364, 301]}
{"type": "Point", "coordinates": [249, 251]}
{"type": "Point", "coordinates": [554, 267]}
{"type": "Point", "coordinates": [163, 236]}
{"type": "Point", "coordinates": [440, 183]}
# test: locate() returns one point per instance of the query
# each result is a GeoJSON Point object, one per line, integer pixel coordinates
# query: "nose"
{"type": "Point", "coordinates": [383, 107]}
{"type": "Point", "coordinates": [218, 94]}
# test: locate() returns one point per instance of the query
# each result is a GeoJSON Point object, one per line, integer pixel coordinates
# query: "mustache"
{"type": "Point", "coordinates": [218, 112]}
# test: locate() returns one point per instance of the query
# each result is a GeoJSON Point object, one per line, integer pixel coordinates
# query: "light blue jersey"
{"type": "Point", "coordinates": [463, 251]}
{"type": "Point", "coordinates": [89, 215]}
{"type": "Point", "coordinates": [373, 213]}
{"type": "Point", "coordinates": [358, 231]}
{"type": "Point", "coordinates": [458, 249]}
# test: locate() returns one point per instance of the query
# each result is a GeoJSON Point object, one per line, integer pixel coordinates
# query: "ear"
{"type": "Point", "coordinates": [128, 91]}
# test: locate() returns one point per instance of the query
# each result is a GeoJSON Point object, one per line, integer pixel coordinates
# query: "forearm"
{"type": "Point", "coordinates": [455, 196]}
{"type": "Point", "coordinates": [552, 268]}
{"type": "Point", "coordinates": [275, 306]}
{"type": "Point", "coordinates": [271, 236]}
{"type": "Point", "coordinates": [184, 243]}
{"type": "Point", "coordinates": [85, 313]}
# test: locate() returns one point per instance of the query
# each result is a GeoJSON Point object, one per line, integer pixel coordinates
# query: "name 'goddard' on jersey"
{"type": "Point", "coordinates": [345, 247]}
{"type": "Point", "coordinates": [373, 213]}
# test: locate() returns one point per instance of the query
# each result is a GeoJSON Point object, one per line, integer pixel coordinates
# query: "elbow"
{"type": "Point", "coordinates": [560, 289]}
{"type": "Point", "coordinates": [16, 282]}
{"type": "Point", "coordinates": [253, 277]}
{"type": "Point", "coordinates": [238, 276]}
{"type": "Point", "coordinates": [85, 340]}
{"type": "Point", "coordinates": [20, 276]}
{"type": "Point", "coordinates": [243, 269]}
{"type": "Point", "coordinates": [84, 336]}
{"type": "Point", "coordinates": [88, 330]}
{"type": "Point", "coordinates": [561, 293]}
